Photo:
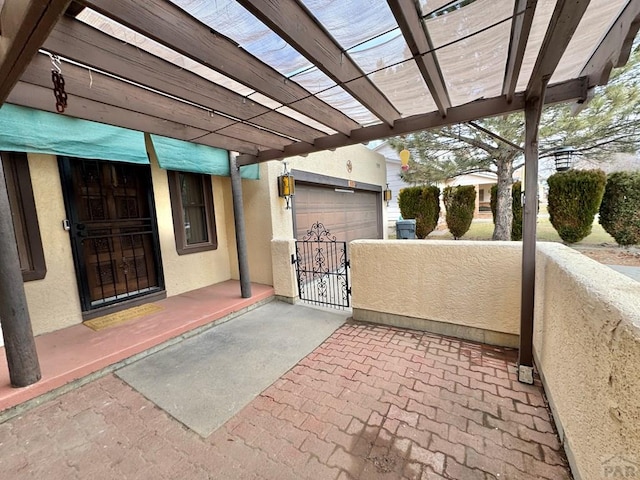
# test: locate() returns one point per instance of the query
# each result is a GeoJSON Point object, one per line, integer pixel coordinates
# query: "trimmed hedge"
{"type": "Point", "coordinates": [423, 204]}
{"type": "Point", "coordinates": [574, 200]}
{"type": "Point", "coordinates": [516, 208]}
{"type": "Point", "coordinates": [620, 207]}
{"type": "Point", "coordinates": [460, 203]}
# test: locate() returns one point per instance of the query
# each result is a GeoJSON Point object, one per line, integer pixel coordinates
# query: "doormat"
{"type": "Point", "coordinates": [113, 319]}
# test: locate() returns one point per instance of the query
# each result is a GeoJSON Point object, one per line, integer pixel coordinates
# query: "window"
{"type": "Point", "coordinates": [193, 217]}
{"type": "Point", "coordinates": [481, 195]}
{"type": "Point", "coordinates": [23, 212]}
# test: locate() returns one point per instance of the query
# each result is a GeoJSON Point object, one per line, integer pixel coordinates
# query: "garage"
{"type": "Point", "coordinates": [349, 213]}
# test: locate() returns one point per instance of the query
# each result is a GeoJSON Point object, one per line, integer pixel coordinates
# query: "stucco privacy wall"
{"type": "Point", "coordinates": [54, 301]}
{"type": "Point", "coordinates": [284, 278]}
{"type": "Point", "coordinates": [587, 347]}
{"type": "Point", "coordinates": [467, 289]}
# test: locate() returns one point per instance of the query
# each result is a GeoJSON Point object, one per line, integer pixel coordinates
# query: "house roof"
{"type": "Point", "coordinates": [389, 153]}
{"type": "Point", "coordinates": [275, 78]}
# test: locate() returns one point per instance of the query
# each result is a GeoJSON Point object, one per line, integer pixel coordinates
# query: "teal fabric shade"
{"type": "Point", "coordinates": [184, 156]}
{"type": "Point", "coordinates": [25, 129]}
{"type": "Point", "coordinates": [251, 172]}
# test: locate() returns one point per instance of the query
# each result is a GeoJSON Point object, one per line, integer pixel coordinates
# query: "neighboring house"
{"type": "Point", "coordinates": [107, 218]}
{"type": "Point", "coordinates": [394, 181]}
{"type": "Point", "coordinates": [483, 181]}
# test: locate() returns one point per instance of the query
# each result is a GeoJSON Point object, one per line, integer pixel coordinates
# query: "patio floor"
{"type": "Point", "coordinates": [371, 402]}
{"type": "Point", "coordinates": [72, 353]}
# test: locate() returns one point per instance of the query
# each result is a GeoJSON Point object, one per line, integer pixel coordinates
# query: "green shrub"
{"type": "Point", "coordinates": [460, 203]}
{"type": "Point", "coordinates": [516, 208]}
{"type": "Point", "coordinates": [574, 199]}
{"type": "Point", "coordinates": [620, 207]}
{"type": "Point", "coordinates": [423, 204]}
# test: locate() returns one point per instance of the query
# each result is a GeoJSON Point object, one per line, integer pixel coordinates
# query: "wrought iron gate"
{"type": "Point", "coordinates": [322, 268]}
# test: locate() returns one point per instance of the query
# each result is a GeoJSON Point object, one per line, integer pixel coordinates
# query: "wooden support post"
{"type": "Point", "coordinates": [19, 344]}
{"type": "Point", "coordinates": [532, 112]}
{"type": "Point", "coordinates": [241, 238]}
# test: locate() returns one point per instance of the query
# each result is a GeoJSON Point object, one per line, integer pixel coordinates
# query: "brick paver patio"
{"type": "Point", "coordinates": [370, 403]}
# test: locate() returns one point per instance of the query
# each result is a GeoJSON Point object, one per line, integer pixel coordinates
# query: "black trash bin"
{"type": "Point", "coordinates": [405, 229]}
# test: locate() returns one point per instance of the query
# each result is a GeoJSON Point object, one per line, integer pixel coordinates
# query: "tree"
{"type": "Point", "coordinates": [608, 124]}
{"type": "Point", "coordinates": [516, 209]}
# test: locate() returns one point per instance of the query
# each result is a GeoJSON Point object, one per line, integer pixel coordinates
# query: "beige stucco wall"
{"type": "Point", "coordinates": [367, 166]}
{"type": "Point", "coordinates": [587, 346]}
{"type": "Point", "coordinates": [472, 284]}
{"type": "Point", "coordinates": [183, 273]}
{"type": "Point", "coordinates": [284, 279]}
{"type": "Point", "coordinates": [261, 212]}
{"type": "Point", "coordinates": [53, 301]}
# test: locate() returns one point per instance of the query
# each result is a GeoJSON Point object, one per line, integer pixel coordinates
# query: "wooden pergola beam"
{"type": "Point", "coordinates": [295, 24]}
{"type": "Point", "coordinates": [523, 12]}
{"type": "Point", "coordinates": [86, 45]}
{"type": "Point", "coordinates": [97, 87]}
{"type": "Point", "coordinates": [564, 21]}
{"type": "Point", "coordinates": [170, 26]}
{"type": "Point", "coordinates": [417, 38]}
{"type": "Point", "coordinates": [74, 9]}
{"type": "Point", "coordinates": [24, 25]}
{"type": "Point", "coordinates": [35, 96]}
{"type": "Point", "coordinates": [561, 92]}
{"type": "Point", "coordinates": [615, 48]}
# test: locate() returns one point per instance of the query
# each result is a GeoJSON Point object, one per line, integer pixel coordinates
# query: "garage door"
{"type": "Point", "coordinates": [348, 214]}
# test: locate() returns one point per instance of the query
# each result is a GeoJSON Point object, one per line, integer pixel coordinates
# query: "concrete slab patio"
{"type": "Point", "coordinates": [371, 402]}
{"type": "Point", "coordinates": [205, 380]}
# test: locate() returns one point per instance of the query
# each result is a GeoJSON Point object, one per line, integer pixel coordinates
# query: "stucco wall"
{"type": "Point", "coordinates": [367, 165]}
{"type": "Point", "coordinates": [587, 346]}
{"type": "Point", "coordinates": [53, 301]}
{"type": "Point", "coordinates": [284, 278]}
{"type": "Point", "coordinates": [472, 284]}
{"type": "Point", "coordinates": [183, 273]}
{"type": "Point", "coordinates": [262, 216]}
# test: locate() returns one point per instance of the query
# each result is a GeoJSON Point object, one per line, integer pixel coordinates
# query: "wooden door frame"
{"type": "Point", "coordinates": [71, 211]}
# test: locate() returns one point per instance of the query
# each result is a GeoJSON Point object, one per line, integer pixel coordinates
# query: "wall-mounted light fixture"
{"type": "Point", "coordinates": [286, 186]}
{"type": "Point", "coordinates": [387, 194]}
{"type": "Point", "coordinates": [404, 159]}
{"type": "Point", "coordinates": [564, 158]}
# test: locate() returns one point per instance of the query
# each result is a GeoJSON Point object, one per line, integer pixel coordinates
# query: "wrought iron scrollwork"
{"type": "Point", "coordinates": [318, 233]}
{"type": "Point", "coordinates": [321, 267]}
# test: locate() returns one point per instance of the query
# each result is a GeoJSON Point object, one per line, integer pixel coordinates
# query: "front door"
{"type": "Point", "coordinates": [113, 230]}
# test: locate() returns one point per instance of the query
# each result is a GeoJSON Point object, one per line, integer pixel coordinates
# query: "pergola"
{"type": "Point", "coordinates": [276, 78]}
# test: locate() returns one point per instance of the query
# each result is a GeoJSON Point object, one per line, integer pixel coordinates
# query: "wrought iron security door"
{"type": "Point", "coordinates": [113, 230]}
{"type": "Point", "coordinates": [322, 268]}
